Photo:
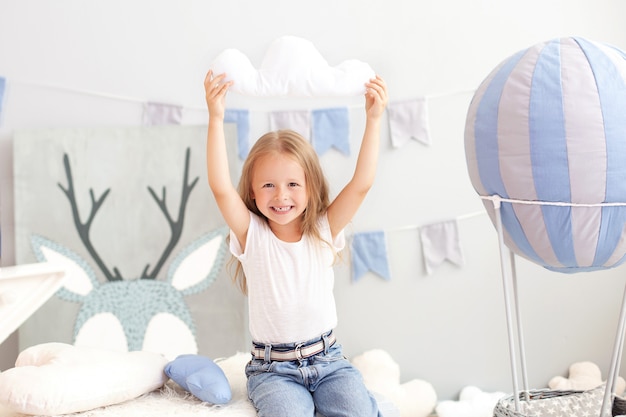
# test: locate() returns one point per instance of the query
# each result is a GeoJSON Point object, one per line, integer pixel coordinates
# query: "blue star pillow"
{"type": "Point", "coordinates": [201, 377]}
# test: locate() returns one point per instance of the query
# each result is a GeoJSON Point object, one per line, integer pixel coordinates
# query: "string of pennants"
{"type": "Point", "coordinates": [440, 242]}
{"type": "Point", "coordinates": [326, 128]}
{"type": "Point", "coordinates": [329, 128]}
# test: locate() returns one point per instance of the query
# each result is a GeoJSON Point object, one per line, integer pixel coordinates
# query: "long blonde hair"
{"type": "Point", "coordinates": [292, 144]}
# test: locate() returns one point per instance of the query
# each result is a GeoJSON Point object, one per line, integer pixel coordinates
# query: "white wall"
{"type": "Point", "coordinates": [447, 328]}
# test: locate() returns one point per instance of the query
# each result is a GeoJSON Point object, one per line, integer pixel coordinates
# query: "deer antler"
{"type": "Point", "coordinates": [83, 228]}
{"type": "Point", "coordinates": [176, 226]}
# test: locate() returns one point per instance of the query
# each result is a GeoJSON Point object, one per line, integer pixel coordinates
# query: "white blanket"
{"type": "Point", "coordinates": [165, 402]}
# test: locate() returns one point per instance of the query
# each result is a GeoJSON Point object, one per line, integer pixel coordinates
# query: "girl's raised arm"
{"type": "Point", "coordinates": [348, 201]}
{"type": "Point", "coordinates": [230, 204]}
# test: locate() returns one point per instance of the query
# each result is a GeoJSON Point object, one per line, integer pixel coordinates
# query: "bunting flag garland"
{"type": "Point", "coordinates": [409, 120]}
{"type": "Point", "coordinates": [242, 119]}
{"type": "Point", "coordinates": [369, 253]}
{"type": "Point", "coordinates": [327, 128]}
{"type": "Point", "coordinates": [440, 241]}
{"type": "Point", "coordinates": [297, 120]}
{"type": "Point", "coordinates": [158, 114]}
{"type": "Point", "coordinates": [331, 128]}
{"type": "Point", "coordinates": [3, 83]}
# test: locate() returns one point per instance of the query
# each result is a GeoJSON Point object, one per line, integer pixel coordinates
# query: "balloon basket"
{"type": "Point", "coordinates": [551, 403]}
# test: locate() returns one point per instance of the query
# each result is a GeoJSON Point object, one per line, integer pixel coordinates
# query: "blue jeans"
{"type": "Point", "coordinates": [326, 383]}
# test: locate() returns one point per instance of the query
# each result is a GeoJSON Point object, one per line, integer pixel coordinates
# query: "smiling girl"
{"type": "Point", "coordinates": [286, 233]}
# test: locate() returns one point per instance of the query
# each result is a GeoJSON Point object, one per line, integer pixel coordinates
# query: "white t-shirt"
{"type": "Point", "coordinates": [290, 284]}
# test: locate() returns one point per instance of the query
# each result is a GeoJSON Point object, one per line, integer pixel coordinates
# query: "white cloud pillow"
{"type": "Point", "coordinates": [57, 378]}
{"type": "Point", "coordinates": [292, 66]}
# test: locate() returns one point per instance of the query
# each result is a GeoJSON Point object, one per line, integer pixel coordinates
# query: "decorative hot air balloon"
{"type": "Point", "coordinates": [546, 133]}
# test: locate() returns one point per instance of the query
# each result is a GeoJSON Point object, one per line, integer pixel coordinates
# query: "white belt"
{"type": "Point", "coordinates": [299, 352]}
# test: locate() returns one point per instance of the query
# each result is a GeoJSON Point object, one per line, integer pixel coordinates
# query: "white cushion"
{"type": "Point", "coordinates": [57, 378]}
{"type": "Point", "coordinates": [292, 66]}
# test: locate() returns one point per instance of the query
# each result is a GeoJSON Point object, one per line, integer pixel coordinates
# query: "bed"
{"type": "Point", "coordinates": [60, 379]}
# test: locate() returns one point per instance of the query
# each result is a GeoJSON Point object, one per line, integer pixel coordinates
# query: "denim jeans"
{"type": "Point", "coordinates": [326, 383]}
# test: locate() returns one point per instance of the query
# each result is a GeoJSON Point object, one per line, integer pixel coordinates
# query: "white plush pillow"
{"type": "Point", "coordinates": [57, 378]}
{"type": "Point", "coordinates": [292, 66]}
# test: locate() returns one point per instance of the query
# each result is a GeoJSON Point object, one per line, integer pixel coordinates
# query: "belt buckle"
{"type": "Point", "coordinates": [298, 351]}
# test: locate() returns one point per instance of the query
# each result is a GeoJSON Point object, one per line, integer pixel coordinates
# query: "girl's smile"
{"type": "Point", "coordinates": [282, 209]}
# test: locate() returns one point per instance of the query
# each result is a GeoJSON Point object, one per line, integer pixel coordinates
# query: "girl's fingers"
{"type": "Point", "coordinates": [213, 81]}
{"type": "Point", "coordinates": [377, 84]}
{"type": "Point", "coordinates": [214, 86]}
{"type": "Point", "coordinates": [222, 88]}
{"type": "Point", "coordinates": [376, 96]}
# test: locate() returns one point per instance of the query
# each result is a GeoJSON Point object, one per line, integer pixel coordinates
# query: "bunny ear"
{"type": "Point", "coordinates": [197, 266]}
{"type": "Point", "coordinates": [81, 279]}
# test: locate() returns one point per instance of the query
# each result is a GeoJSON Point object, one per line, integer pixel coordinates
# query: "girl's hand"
{"type": "Point", "coordinates": [215, 91]}
{"type": "Point", "coordinates": [375, 97]}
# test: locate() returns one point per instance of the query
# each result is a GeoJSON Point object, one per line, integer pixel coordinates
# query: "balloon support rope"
{"type": "Point", "coordinates": [497, 201]}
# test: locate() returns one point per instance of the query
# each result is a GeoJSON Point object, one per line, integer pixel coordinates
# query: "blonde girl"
{"type": "Point", "coordinates": [285, 232]}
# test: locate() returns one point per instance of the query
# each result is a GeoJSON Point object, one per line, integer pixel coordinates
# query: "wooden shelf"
{"type": "Point", "coordinates": [23, 289]}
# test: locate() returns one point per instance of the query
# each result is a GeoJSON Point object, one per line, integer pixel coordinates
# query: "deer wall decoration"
{"type": "Point", "coordinates": [142, 313]}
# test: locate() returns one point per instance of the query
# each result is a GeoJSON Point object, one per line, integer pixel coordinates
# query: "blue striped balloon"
{"type": "Point", "coordinates": [549, 125]}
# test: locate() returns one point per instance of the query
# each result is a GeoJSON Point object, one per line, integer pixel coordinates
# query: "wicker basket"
{"type": "Point", "coordinates": [552, 403]}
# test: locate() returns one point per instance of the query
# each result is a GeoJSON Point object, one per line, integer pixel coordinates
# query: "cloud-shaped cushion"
{"type": "Point", "coordinates": [381, 374]}
{"type": "Point", "coordinates": [473, 402]}
{"type": "Point", "coordinates": [292, 66]}
{"type": "Point", "coordinates": [584, 376]}
{"type": "Point", "coordinates": [201, 377]}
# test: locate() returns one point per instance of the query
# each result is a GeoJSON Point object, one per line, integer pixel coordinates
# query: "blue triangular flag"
{"type": "Point", "coordinates": [331, 127]}
{"type": "Point", "coordinates": [369, 253]}
{"type": "Point", "coordinates": [241, 117]}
